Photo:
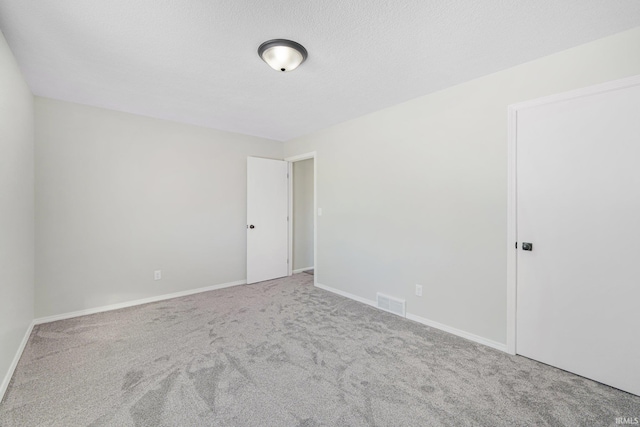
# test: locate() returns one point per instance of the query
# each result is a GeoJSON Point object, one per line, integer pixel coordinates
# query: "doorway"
{"type": "Point", "coordinates": [302, 214]}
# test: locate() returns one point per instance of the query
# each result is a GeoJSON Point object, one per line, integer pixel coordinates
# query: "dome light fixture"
{"type": "Point", "coordinates": [282, 55]}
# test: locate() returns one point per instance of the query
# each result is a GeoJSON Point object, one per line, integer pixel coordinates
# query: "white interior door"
{"type": "Point", "coordinates": [578, 203]}
{"type": "Point", "coordinates": [267, 223]}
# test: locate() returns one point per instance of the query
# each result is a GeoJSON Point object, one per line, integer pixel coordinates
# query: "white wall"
{"type": "Point", "coordinates": [417, 193]}
{"type": "Point", "coordinates": [119, 196]}
{"type": "Point", "coordinates": [303, 214]}
{"type": "Point", "coordinates": [16, 209]}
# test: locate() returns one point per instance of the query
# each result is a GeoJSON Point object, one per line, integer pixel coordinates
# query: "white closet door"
{"type": "Point", "coordinates": [578, 203]}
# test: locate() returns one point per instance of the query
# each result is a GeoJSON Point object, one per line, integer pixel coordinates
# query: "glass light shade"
{"type": "Point", "coordinates": [282, 55]}
{"type": "Point", "coordinates": [282, 58]}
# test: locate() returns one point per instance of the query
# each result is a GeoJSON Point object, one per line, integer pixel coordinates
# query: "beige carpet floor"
{"type": "Point", "coordinates": [283, 353]}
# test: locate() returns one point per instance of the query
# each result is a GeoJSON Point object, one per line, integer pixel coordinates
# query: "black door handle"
{"type": "Point", "coordinates": [526, 246]}
{"type": "Point", "coordinates": [252, 226]}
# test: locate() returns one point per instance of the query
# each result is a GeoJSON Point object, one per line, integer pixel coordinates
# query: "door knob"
{"type": "Point", "coordinates": [252, 226]}
{"type": "Point", "coordinates": [526, 246]}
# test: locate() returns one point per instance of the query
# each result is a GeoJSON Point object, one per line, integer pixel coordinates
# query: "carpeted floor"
{"type": "Point", "coordinates": [283, 353]}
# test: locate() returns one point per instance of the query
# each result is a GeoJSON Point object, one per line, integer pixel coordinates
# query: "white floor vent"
{"type": "Point", "coordinates": [390, 304]}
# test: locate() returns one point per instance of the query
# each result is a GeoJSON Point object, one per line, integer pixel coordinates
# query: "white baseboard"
{"type": "Point", "coordinates": [301, 270]}
{"type": "Point", "coordinates": [458, 332]}
{"type": "Point", "coordinates": [347, 295]}
{"type": "Point", "coordinates": [126, 304]}
{"type": "Point", "coordinates": [427, 322]}
{"type": "Point", "coordinates": [16, 359]}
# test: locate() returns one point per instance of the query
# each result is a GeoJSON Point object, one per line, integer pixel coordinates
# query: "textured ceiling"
{"type": "Point", "coordinates": [195, 61]}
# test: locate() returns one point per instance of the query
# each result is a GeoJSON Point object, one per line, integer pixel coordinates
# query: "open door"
{"type": "Point", "coordinates": [267, 219]}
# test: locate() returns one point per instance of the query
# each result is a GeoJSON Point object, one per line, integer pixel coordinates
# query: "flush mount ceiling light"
{"type": "Point", "coordinates": [282, 55]}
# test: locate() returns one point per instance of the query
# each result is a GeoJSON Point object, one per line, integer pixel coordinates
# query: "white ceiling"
{"type": "Point", "coordinates": [195, 61]}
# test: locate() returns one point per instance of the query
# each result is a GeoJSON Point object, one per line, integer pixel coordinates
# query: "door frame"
{"type": "Point", "coordinates": [291, 160]}
{"type": "Point", "coordinates": [512, 195]}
